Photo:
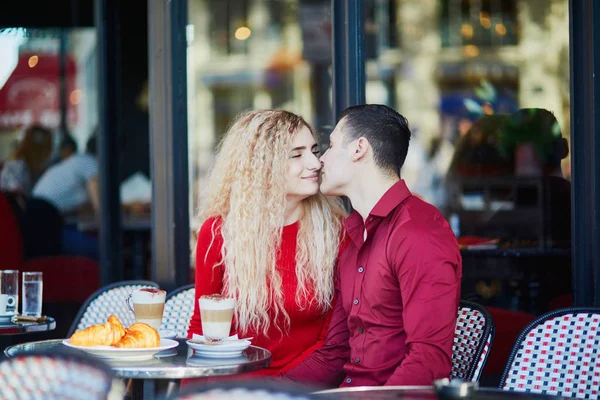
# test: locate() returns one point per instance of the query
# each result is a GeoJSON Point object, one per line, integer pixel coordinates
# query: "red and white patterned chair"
{"type": "Point", "coordinates": [179, 308]}
{"type": "Point", "coordinates": [557, 354]}
{"type": "Point", "coordinates": [473, 339]}
{"type": "Point", "coordinates": [54, 376]}
{"type": "Point", "coordinates": [111, 299]}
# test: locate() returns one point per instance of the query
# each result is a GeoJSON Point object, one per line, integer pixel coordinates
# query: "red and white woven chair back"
{"type": "Point", "coordinates": [179, 308]}
{"type": "Point", "coordinates": [473, 338]}
{"type": "Point", "coordinates": [557, 354]}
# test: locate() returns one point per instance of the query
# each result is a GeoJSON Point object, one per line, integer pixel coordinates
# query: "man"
{"type": "Point", "coordinates": [70, 187]}
{"type": "Point", "coordinates": [71, 183]}
{"type": "Point", "coordinates": [67, 148]}
{"type": "Point", "coordinates": [399, 278]}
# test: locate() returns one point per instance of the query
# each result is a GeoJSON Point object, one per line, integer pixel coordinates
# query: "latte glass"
{"type": "Point", "coordinates": [216, 313]}
{"type": "Point", "coordinates": [148, 305]}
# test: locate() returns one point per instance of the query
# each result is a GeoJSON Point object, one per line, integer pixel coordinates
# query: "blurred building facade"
{"type": "Point", "coordinates": [441, 63]}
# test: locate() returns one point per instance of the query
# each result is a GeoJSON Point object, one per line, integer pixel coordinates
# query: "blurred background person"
{"type": "Point", "coordinates": [66, 188]}
{"type": "Point", "coordinates": [67, 148]}
{"type": "Point", "coordinates": [28, 161]}
{"type": "Point", "coordinates": [73, 182]}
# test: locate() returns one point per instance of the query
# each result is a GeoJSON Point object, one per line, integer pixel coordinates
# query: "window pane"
{"type": "Point", "coordinates": [485, 86]}
{"type": "Point", "coordinates": [48, 96]}
{"type": "Point", "coordinates": [253, 54]}
{"type": "Point", "coordinates": [30, 84]}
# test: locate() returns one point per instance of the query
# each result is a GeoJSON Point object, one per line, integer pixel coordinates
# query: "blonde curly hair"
{"type": "Point", "coordinates": [247, 190]}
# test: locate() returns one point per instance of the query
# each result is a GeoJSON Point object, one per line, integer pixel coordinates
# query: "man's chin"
{"type": "Point", "coordinates": [327, 191]}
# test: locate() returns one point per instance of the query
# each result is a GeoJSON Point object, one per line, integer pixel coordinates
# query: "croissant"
{"type": "Point", "coordinates": [117, 330]}
{"type": "Point", "coordinates": [99, 335]}
{"type": "Point", "coordinates": [139, 335]}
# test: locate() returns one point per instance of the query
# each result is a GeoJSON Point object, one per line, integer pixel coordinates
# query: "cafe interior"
{"type": "Point", "coordinates": [136, 96]}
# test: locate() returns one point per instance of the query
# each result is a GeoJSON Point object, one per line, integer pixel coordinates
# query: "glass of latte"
{"type": "Point", "coordinates": [216, 312]}
{"type": "Point", "coordinates": [148, 306]}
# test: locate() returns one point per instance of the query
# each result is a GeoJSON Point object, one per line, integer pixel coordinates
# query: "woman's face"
{"type": "Point", "coordinates": [303, 166]}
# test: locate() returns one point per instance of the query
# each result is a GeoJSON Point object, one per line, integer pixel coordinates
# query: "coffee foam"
{"type": "Point", "coordinates": [212, 303]}
{"type": "Point", "coordinates": [147, 297]}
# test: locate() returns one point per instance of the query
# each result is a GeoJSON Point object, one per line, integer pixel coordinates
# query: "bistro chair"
{"type": "Point", "coordinates": [179, 308]}
{"type": "Point", "coordinates": [557, 354]}
{"type": "Point", "coordinates": [59, 375]}
{"type": "Point", "coordinates": [473, 337]}
{"type": "Point", "coordinates": [111, 299]}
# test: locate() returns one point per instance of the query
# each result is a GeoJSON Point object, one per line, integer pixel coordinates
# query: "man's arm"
{"type": "Point", "coordinates": [429, 278]}
{"type": "Point", "coordinates": [94, 192]}
{"type": "Point", "coordinates": [324, 367]}
{"type": "Point", "coordinates": [316, 346]}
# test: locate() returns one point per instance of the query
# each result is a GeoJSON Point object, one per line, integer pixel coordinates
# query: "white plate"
{"type": "Point", "coordinates": [125, 354]}
{"type": "Point", "coordinates": [167, 334]}
{"type": "Point", "coordinates": [226, 346]}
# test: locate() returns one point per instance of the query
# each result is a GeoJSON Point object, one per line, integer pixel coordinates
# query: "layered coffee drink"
{"type": "Point", "coordinates": [148, 306]}
{"type": "Point", "coordinates": [216, 312]}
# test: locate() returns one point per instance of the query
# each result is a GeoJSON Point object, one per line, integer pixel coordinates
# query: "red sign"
{"type": "Point", "coordinates": [31, 95]}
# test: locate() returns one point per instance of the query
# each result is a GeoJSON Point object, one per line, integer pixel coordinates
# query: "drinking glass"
{"type": "Point", "coordinates": [9, 285]}
{"type": "Point", "coordinates": [32, 294]}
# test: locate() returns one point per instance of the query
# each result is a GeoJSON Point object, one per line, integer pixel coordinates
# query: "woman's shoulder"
{"type": "Point", "coordinates": [209, 241]}
{"type": "Point", "coordinates": [211, 227]}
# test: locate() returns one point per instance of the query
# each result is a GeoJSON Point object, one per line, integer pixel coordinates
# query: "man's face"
{"type": "Point", "coordinates": [337, 163]}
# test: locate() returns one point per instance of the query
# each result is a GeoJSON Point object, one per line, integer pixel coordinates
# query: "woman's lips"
{"type": "Point", "coordinates": [312, 178]}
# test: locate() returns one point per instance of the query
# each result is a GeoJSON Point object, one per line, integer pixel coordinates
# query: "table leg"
{"type": "Point", "coordinates": [173, 387]}
{"type": "Point", "coordinates": [143, 389]}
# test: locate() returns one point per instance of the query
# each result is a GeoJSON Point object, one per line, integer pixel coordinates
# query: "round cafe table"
{"type": "Point", "coordinates": [177, 363]}
{"type": "Point", "coordinates": [20, 328]}
{"type": "Point", "coordinates": [423, 393]}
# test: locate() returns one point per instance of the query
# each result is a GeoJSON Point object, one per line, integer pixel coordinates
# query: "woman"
{"type": "Point", "coordinates": [269, 238]}
{"type": "Point", "coordinates": [26, 164]}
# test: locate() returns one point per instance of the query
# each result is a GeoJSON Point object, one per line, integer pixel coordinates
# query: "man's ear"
{"type": "Point", "coordinates": [564, 148]}
{"type": "Point", "coordinates": [360, 149]}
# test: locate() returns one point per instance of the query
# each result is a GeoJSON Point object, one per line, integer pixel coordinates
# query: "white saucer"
{"type": "Point", "coordinates": [4, 318]}
{"type": "Point", "coordinates": [226, 346]}
{"type": "Point", "coordinates": [196, 361]}
{"type": "Point", "coordinates": [167, 334]}
{"type": "Point", "coordinates": [219, 354]}
{"type": "Point", "coordinates": [225, 349]}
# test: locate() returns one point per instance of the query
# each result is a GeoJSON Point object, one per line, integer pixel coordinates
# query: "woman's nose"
{"type": "Point", "coordinates": [313, 164]}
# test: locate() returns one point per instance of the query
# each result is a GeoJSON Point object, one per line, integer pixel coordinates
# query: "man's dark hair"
{"type": "Point", "coordinates": [91, 145]}
{"type": "Point", "coordinates": [68, 143]}
{"type": "Point", "coordinates": [387, 131]}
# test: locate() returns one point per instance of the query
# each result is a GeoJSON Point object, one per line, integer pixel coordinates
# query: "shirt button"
{"type": "Point", "coordinates": [361, 269]}
{"type": "Point", "coordinates": [348, 380]}
{"type": "Point", "coordinates": [355, 301]}
{"type": "Point", "coordinates": [361, 330]}
{"type": "Point", "coordinates": [357, 360]}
